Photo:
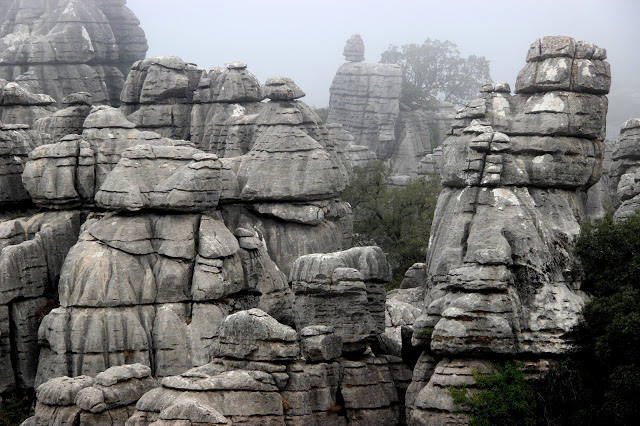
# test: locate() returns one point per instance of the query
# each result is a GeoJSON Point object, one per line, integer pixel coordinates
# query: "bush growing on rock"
{"type": "Point", "coordinates": [398, 219]}
{"type": "Point", "coordinates": [610, 254]}
{"type": "Point", "coordinates": [502, 398]}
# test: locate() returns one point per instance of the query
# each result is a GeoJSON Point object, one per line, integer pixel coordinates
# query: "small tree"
{"type": "Point", "coordinates": [610, 255]}
{"type": "Point", "coordinates": [503, 398]}
{"type": "Point", "coordinates": [435, 70]}
{"type": "Point", "coordinates": [398, 219]}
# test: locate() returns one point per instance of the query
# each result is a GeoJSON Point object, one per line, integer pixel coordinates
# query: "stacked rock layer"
{"type": "Point", "coordinates": [624, 170]}
{"type": "Point", "coordinates": [366, 101]}
{"type": "Point", "coordinates": [64, 46]}
{"type": "Point", "coordinates": [500, 275]}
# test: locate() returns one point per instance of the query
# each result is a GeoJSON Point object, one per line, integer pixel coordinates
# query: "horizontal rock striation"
{"type": "Point", "coordinates": [501, 278]}
{"type": "Point", "coordinates": [624, 170]}
{"type": "Point", "coordinates": [366, 100]}
{"type": "Point", "coordinates": [152, 288]}
{"type": "Point", "coordinates": [107, 399]}
{"type": "Point", "coordinates": [32, 251]}
{"type": "Point", "coordinates": [158, 95]}
{"type": "Point", "coordinates": [64, 46]}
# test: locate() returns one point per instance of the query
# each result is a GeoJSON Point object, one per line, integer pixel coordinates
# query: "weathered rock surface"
{"type": "Point", "coordinates": [70, 173]}
{"type": "Point", "coordinates": [226, 106]}
{"type": "Point", "coordinates": [344, 290]}
{"type": "Point", "coordinates": [501, 278]}
{"type": "Point", "coordinates": [107, 399]}
{"type": "Point", "coordinates": [16, 141]}
{"type": "Point", "coordinates": [69, 120]}
{"type": "Point", "coordinates": [64, 46]}
{"type": "Point", "coordinates": [18, 105]}
{"type": "Point", "coordinates": [354, 49]}
{"type": "Point", "coordinates": [624, 170]}
{"type": "Point", "coordinates": [32, 250]}
{"type": "Point", "coordinates": [153, 288]}
{"type": "Point", "coordinates": [158, 95]}
{"type": "Point", "coordinates": [366, 101]}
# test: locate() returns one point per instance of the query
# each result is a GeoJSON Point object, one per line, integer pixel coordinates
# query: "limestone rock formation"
{"type": "Point", "coordinates": [350, 282]}
{"type": "Point", "coordinates": [260, 370]}
{"type": "Point", "coordinates": [64, 46]}
{"type": "Point", "coordinates": [32, 251]}
{"type": "Point", "coordinates": [153, 288]}
{"type": "Point", "coordinates": [70, 173]}
{"type": "Point", "coordinates": [18, 105]}
{"type": "Point", "coordinates": [158, 95]}
{"type": "Point", "coordinates": [501, 278]}
{"type": "Point", "coordinates": [366, 101]}
{"type": "Point", "coordinates": [226, 104]}
{"type": "Point", "coordinates": [16, 142]}
{"type": "Point", "coordinates": [624, 170]}
{"type": "Point", "coordinates": [354, 49]}
{"type": "Point", "coordinates": [107, 399]}
{"type": "Point", "coordinates": [69, 120]}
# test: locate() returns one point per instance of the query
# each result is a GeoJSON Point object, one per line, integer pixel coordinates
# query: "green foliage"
{"type": "Point", "coordinates": [16, 408]}
{"type": "Point", "coordinates": [398, 219]}
{"type": "Point", "coordinates": [425, 334]}
{"type": "Point", "coordinates": [502, 398]}
{"type": "Point", "coordinates": [435, 69]}
{"type": "Point", "coordinates": [610, 255]}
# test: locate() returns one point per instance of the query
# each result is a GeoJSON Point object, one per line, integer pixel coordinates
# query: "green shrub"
{"type": "Point", "coordinates": [398, 219]}
{"type": "Point", "coordinates": [610, 255]}
{"type": "Point", "coordinates": [502, 398]}
{"type": "Point", "coordinates": [16, 408]}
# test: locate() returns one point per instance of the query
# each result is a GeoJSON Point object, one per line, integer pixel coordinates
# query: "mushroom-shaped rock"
{"type": "Point", "coordinates": [254, 335]}
{"type": "Point", "coordinates": [282, 89]}
{"type": "Point", "coordinates": [354, 49]}
{"type": "Point", "coordinates": [158, 95]}
{"type": "Point", "coordinates": [167, 177]}
{"type": "Point", "coordinates": [287, 164]}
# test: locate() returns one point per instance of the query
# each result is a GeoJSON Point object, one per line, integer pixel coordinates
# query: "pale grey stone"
{"type": "Point", "coordinates": [70, 47]}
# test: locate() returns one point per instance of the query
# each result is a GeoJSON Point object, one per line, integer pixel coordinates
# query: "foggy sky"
{"type": "Point", "coordinates": [304, 39]}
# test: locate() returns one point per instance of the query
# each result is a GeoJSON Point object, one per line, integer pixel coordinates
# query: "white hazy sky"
{"type": "Point", "coordinates": [304, 39]}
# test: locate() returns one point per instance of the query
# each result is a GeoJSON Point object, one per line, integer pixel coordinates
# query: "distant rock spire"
{"type": "Point", "coordinates": [354, 49]}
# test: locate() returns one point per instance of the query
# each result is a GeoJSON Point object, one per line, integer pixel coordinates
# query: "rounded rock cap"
{"type": "Point", "coordinates": [236, 66]}
{"type": "Point", "coordinates": [282, 89]}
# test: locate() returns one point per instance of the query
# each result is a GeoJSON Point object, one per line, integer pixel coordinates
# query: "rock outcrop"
{"type": "Point", "coordinates": [32, 251]}
{"type": "Point", "coordinates": [107, 399]}
{"type": "Point", "coordinates": [158, 95]}
{"type": "Point", "coordinates": [259, 371]}
{"type": "Point", "coordinates": [624, 170]}
{"type": "Point", "coordinates": [153, 288]}
{"type": "Point", "coordinates": [64, 46]}
{"type": "Point", "coordinates": [366, 101]}
{"type": "Point", "coordinates": [226, 106]}
{"type": "Point", "coordinates": [500, 275]}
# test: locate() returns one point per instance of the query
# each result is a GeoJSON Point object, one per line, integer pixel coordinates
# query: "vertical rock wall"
{"type": "Point", "coordinates": [500, 275]}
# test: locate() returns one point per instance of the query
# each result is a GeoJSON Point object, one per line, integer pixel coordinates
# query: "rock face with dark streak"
{"type": "Point", "coordinates": [60, 47]}
{"type": "Point", "coordinates": [501, 278]}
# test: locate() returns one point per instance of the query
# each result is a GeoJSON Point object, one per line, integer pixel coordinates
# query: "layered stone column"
{"type": "Point", "coordinates": [501, 280]}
